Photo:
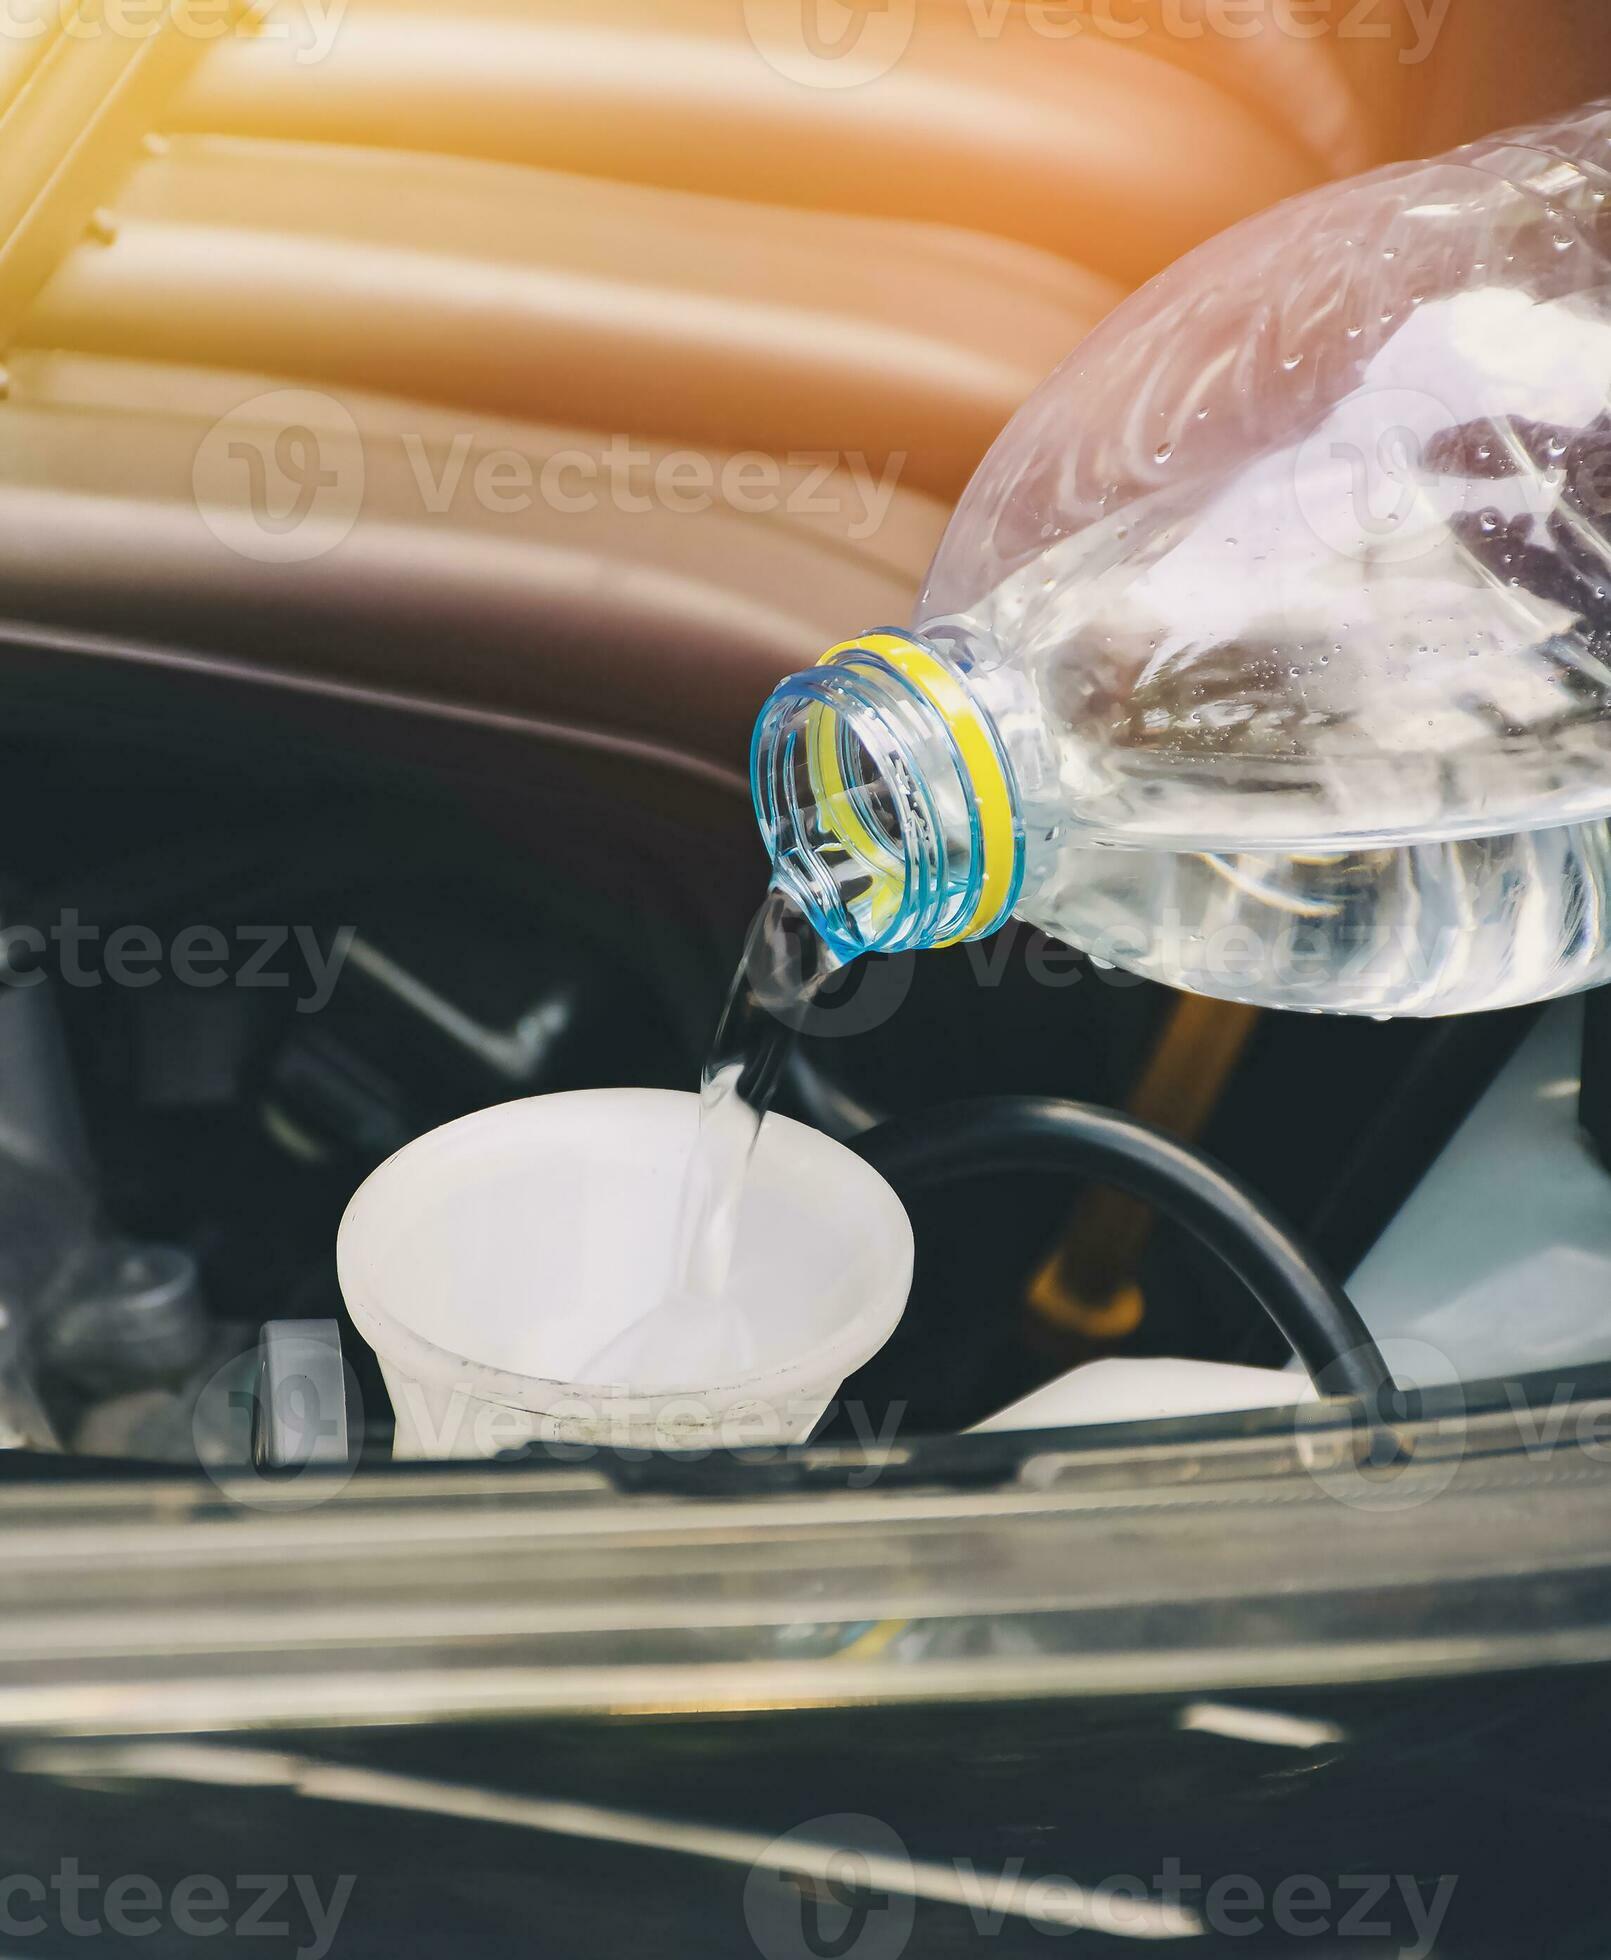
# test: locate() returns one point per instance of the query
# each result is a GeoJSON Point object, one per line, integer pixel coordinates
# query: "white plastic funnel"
{"type": "Point", "coordinates": [488, 1260]}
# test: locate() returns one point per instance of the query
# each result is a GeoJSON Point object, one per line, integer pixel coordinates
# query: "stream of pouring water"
{"type": "Point", "coordinates": [696, 1333]}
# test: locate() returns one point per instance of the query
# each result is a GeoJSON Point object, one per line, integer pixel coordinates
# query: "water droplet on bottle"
{"type": "Point", "coordinates": [1202, 415]}
{"type": "Point", "coordinates": [1325, 660]}
{"type": "Point", "coordinates": [1292, 362]}
{"type": "Point", "coordinates": [1163, 452]}
{"type": "Point", "coordinates": [1387, 315]}
{"type": "Point", "coordinates": [1564, 241]}
{"type": "Point", "coordinates": [1488, 522]}
{"type": "Point", "coordinates": [1556, 447]}
{"type": "Point", "coordinates": [1354, 332]}
{"type": "Point", "coordinates": [1390, 252]}
{"type": "Point", "coordinates": [1293, 672]}
{"type": "Point", "coordinates": [1381, 1017]}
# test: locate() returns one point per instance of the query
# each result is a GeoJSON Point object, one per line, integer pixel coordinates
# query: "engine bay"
{"type": "Point", "coordinates": [256, 945]}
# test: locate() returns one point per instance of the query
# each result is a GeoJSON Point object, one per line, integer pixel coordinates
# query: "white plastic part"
{"type": "Point", "coordinates": [1147, 1390]}
{"type": "Point", "coordinates": [1500, 1263]}
{"type": "Point", "coordinates": [487, 1260]}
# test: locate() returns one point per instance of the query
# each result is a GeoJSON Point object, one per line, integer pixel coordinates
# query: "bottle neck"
{"type": "Point", "coordinates": [886, 799]}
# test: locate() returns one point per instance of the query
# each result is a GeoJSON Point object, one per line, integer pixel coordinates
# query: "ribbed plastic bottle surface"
{"type": "Point", "coordinates": [1295, 577]}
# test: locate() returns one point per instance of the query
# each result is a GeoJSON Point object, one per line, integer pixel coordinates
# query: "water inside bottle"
{"type": "Point", "coordinates": [1260, 766]}
{"type": "Point", "coordinates": [697, 1332]}
{"type": "Point", "coordinates": [1458, 926]}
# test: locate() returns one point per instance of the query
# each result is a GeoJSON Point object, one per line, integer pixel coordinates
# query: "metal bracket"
{"type": "Point", "coordinates": [300, 1416]}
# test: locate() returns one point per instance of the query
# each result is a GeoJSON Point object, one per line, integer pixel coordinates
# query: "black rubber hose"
{"type": "Point", "coordinates": [1035, 1133]}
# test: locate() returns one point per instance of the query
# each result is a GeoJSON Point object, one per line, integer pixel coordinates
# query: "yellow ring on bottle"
{"type": "Point", "coordinates": [981, 762]}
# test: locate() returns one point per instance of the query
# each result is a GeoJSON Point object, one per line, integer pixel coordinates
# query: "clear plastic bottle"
{"type": "Point", "coordinates": [1269, 651]}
